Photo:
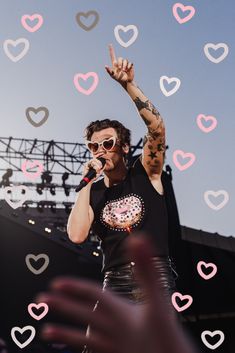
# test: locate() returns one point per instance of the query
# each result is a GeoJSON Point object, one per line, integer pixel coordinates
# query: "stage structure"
{"type": "Point", "coordinates": [51, 198]}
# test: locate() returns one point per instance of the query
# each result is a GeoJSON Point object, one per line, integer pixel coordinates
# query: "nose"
{"type": "Point", "coordinates": [100, 151]}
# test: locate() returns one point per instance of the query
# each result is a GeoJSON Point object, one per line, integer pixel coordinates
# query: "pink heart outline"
{"type": "Point", "coordinates": [181, 297]}
{"type": "Point", "coordinates": [202, 274]}
{"type": "Point", "coordinates": [37, 306]}
{"type": "Point", "coordinates": [24, 18]}
{"type": "Point", "coordinates": [27, 164]}
{"type": "Point", "coordinates": [206, 117]}
{"type": "Point", "coordinates": [183, 155]}
{"type": "Point", "coordinates": [85, 77]}
{"type": "Point", "coordinates": [178, 5]}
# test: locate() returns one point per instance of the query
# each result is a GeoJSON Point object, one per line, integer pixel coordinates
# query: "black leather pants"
{"type": "Point", "coordinates": [121, 281]}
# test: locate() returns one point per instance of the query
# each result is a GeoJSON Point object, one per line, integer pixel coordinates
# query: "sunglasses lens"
{"type": "Point", "coordinates": [108, 144]}
{"type": "Point", "coordinates": [93, 147]}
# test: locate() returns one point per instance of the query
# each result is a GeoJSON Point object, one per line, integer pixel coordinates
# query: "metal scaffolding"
{"type": "Point", "coordinates": [56, 157]}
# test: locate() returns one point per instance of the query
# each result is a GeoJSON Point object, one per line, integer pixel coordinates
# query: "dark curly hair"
{"type": "Point", "coordinates": [124, 134]}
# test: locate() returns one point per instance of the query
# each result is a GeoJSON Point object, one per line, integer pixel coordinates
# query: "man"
{"type": "Point", "coordinates": [125, 200]}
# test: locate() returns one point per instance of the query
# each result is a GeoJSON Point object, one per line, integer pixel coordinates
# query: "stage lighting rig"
{"type": "Point", "coordinates": [66, 188]}
{"type": "Point", "coordinates": [6, 178]}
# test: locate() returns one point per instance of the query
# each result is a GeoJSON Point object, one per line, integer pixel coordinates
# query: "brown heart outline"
{"type": "Point", "coordinates": [35, 111]}
{"type": "Point", "coordinates": [87, 14]}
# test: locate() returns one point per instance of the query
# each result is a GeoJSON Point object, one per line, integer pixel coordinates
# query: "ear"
{"type": "Point", "coordinates": [126, 148]}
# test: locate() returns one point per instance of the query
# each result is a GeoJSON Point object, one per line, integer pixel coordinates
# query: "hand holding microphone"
{"type": "Point", "coordinates": [91, 172]}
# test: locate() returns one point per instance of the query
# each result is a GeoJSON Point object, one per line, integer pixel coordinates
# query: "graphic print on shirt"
{"type": "Point", "coordinates": [124, 213]}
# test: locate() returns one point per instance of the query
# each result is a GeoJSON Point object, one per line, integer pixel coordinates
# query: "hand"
{"type": "Point", "coordinates": [117, 326]}
{"type": "Point", "coordinates": [122, 70]}
{"type": "Point", "coordinates": [95, 164]}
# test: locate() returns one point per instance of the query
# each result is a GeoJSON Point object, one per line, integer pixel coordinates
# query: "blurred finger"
{"type": "Point", "coordinates": [124, 64]}
{"type": "Point", "coordinates": [119, 61]}
{"type": "Point", "coordinates": [76, 311]}
{"type": "Point", "coordinates": [112, 54]}
{"type": "Point", "coordinates": [141, 251]}
{"type": "Point", "coordinates": [88, 292]}
{"type": "Point", "coordinates": [129, 65]}
{"type": "Point", "coordinates": [76, 339]}
{"type": "Point", "coordinates": [109, 70]}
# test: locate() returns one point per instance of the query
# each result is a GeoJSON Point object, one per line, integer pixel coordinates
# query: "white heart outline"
{"type": "Point", "coordinates": [36, 257]}
{"type": "Point", "coordinates": [212, 333]}
{"type": "Point", "coordinates": [19, 203]}
{"type": "Point", "coordinates": [21, 330]}
{"type": "Point", "coordinates": [169, 80]}
{"type": "Point", "coordinates": [215, 47]}
{"type": "Point", "coordinates": [215, 194]}
{"type": "Point", "coordinates": [125, 29]}
{"type": "Point", "coordinates": [15, 43]}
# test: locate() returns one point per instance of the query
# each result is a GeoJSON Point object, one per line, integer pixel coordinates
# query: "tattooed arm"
{"type": "Point", "coordinates": [154, 141]}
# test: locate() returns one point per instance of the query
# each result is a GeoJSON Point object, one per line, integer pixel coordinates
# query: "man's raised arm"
{"type": "Point", "coordinates": [154, 143]}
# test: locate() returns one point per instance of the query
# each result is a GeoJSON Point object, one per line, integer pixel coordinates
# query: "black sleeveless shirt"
{"type": "Point", "coordinates": [131, 205]}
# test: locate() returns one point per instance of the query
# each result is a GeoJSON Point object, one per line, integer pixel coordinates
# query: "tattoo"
{"type": "Point", "coordinates": [145, 140]}
{"type": "Point", "coordinates": [154, 134]}
{"type": "Point", "coordinates": [147, 122]}
{"type": "Point", "coordinates": [161, 147]}
{"type": "Point", "coordinates": [150, 147]}
{"type": "Point", "coordinates": [146, 105]}
{"type": "Point", "coordinates": [140, 104]}
{"type": "Point", "coordinates": [152, 155]}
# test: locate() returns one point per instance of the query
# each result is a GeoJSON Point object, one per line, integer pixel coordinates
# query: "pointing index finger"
{"type": "Point", "coordinates": [112, 53]}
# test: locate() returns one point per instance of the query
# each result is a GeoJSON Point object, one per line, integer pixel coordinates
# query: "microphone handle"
{"type": "Point", "coordinates": [90, 175]}
{"type": "Point", "coordinates": [86, 179]}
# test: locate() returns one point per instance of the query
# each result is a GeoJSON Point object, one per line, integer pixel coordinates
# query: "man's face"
{"type": "Point", "coordinates": [114, 156]}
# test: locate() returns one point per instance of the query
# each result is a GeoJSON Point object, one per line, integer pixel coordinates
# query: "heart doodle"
{"type": "Point", "coordinates": [21, 331]}
{"type": "Point", "coordinates": [202, 274]}
{"type": "Point", "coordinates": [15, 43]}
{"type": "Point", "coordinates": [37, 307]}
{"type": "Point", "coordinates": [119, 28]}
{"type": "Point", "coordinates": [87, 15]}
{"type": "Point", "coordinates": [215, 194]}
{"type": "Point", "coordinates": [216, 47]}
{"type": "Point", "coordinates": [201, 118]}
{"type": "Point", "coordinates": [32, 18]}
{"type": "Point", "coordinates": [79, 76]}
{"type": "Point", "coordinates": [169, 81]}
{"type": "Point", "coordinates": [181, 297]}
{"type": "Point", "coordinates": [30, 257]}
{"type": "Point", "coordinates": [184, 9]}
{"type": "Point", "coordinates": [36, 111]}
{"type": "Point", "coordinates": [184, 155]}
{"type": "Point", "coordinates": [32, 164]}
{"type": "Point", "coordinates": [212, 334]}
{"type": "Point", "coordinates": [18, 190]}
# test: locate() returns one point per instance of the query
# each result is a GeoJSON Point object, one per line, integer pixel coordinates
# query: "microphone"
{"type": "Point", "coordinates": [89, 175]}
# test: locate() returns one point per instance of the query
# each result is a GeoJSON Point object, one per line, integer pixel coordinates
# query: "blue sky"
{"type": "Point", "coordinates": [61, 48]}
